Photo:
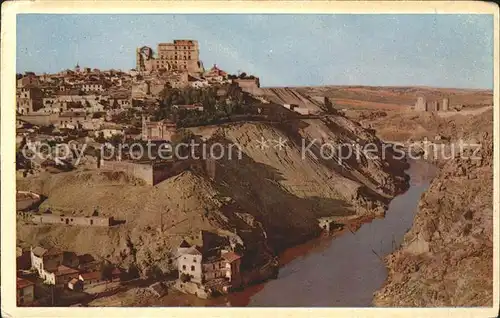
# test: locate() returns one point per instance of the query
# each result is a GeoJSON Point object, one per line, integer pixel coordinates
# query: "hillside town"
{"type": "Point", "coordinates": [91, 109]}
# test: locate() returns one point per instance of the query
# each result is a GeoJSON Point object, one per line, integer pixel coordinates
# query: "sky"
{"type": "Point", "coordinates": [437, 50]}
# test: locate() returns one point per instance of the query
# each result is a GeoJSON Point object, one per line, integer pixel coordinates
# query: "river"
{"type": "Point", "coordinates": [339, 272]}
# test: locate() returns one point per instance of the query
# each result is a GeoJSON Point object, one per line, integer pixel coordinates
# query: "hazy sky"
{"type": "Point", "coordinates": [433, 50]}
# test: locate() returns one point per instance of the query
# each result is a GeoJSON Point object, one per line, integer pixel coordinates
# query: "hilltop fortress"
{"type": "Point", "coordinates": [180, 55]}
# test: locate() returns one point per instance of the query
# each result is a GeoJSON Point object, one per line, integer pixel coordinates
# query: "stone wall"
{"type": "Point", "coordinates": [152, 173]}
{"type": "Point", "coordinates": [169, 169]}
{"type": "Point", "coordinates": [138, 170]}
{"type": "Point", "coordinates": [248, 85]}
{"type": "Point", "coordinates": [433, 106]}
{"type": "Point", "coordinates": [71, 220]}
{"type": "Point", "coordinates": [193, 289]}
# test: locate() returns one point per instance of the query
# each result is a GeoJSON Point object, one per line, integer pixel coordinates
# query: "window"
{"type": "Point", "coordinates": [91, 222]}
{"type": "Point", "coordinates": [192, 268]}
{"type": "Point", "coordinates": [194, 259]}
{"type": "Point", "coordinates": [184, 267]}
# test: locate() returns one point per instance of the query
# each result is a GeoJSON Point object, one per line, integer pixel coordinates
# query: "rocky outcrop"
{"type": "Point", "coordinates": [447, 256]}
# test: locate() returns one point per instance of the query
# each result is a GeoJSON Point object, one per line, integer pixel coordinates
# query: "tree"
{"type": "Point", "coordinates": [243, 75]}
{"type": "Point", "coordinates": [116, 139]}
{"type": "Point", "coordinates": [106, 270]}
{"type": "Point", "coordinates": [133, 272]}
{"type": "Point", "coordinates": [100, 138]}
{"type": "Point", "coordinates": [183, 136]}
{"type": "Point", "coordinates": [329, 106]}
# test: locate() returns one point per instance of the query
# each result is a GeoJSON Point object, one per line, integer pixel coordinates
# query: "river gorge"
{"type": "Point", "coordinates": [343, 271]}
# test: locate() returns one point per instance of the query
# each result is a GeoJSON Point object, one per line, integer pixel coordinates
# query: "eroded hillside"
{"type": "Point", "coordinates": [268, 200]}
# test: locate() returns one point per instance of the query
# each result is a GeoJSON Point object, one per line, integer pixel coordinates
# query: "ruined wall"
{"type": "Point", "coordinates": [433, 106]}
{"type": "Point", "coordinates": [421, 105]}
{"type": "Point", "coordinates": [445, 105]}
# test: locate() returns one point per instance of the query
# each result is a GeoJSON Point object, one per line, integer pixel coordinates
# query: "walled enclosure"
{"type": "Point", "coordinates": [151, 173]}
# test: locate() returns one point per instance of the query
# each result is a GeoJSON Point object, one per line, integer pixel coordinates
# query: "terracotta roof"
{"type": "Point", "coordinates": [116, 271]}
{"type": "Point", "coordinates": [91, 276]}
{"type": "Point", "coordinates": [216, 70]}
{"type": "Point", "coordinates": [230, 256]}
{"type": "Point", "coordinates": [62, 270]}
{"type": "Point", "coordinates": [23, 283]}
{"type": "Point", "coordinates": [194, 250]}
{"type": "Point", "coordinates": [184, 244]}
{"type": "Point", "coordinates": [30, 86]}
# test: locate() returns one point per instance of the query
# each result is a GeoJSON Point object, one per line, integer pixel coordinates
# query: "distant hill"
{"type": "Point", "coordinates": [370, 97]}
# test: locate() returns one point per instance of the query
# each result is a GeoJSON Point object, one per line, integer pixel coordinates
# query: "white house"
{"type": "Point", "coordinates": [42, 259]}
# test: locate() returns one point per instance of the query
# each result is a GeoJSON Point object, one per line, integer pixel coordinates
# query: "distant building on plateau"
{"type": "Point", "coordinates": [422, 105]}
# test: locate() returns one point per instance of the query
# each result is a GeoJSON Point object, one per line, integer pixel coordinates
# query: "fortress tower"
{"type": "Point", "coordinates": [421, 104]}
{"type": "Point", "coordinates": [180, 55]}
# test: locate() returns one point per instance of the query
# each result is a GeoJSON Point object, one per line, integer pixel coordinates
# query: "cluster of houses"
{"type": "Point", "coordinates": [90, 100]}
{"type": "Point", "coordinates": [87, 99]}
{"type": "Point", "coordinates": [209, 267]}
{"type": "Point", "coordinates": [61, 270]}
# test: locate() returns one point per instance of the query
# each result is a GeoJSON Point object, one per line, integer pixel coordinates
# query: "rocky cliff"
{"type": "Point", "coordinates": [447, 256]}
